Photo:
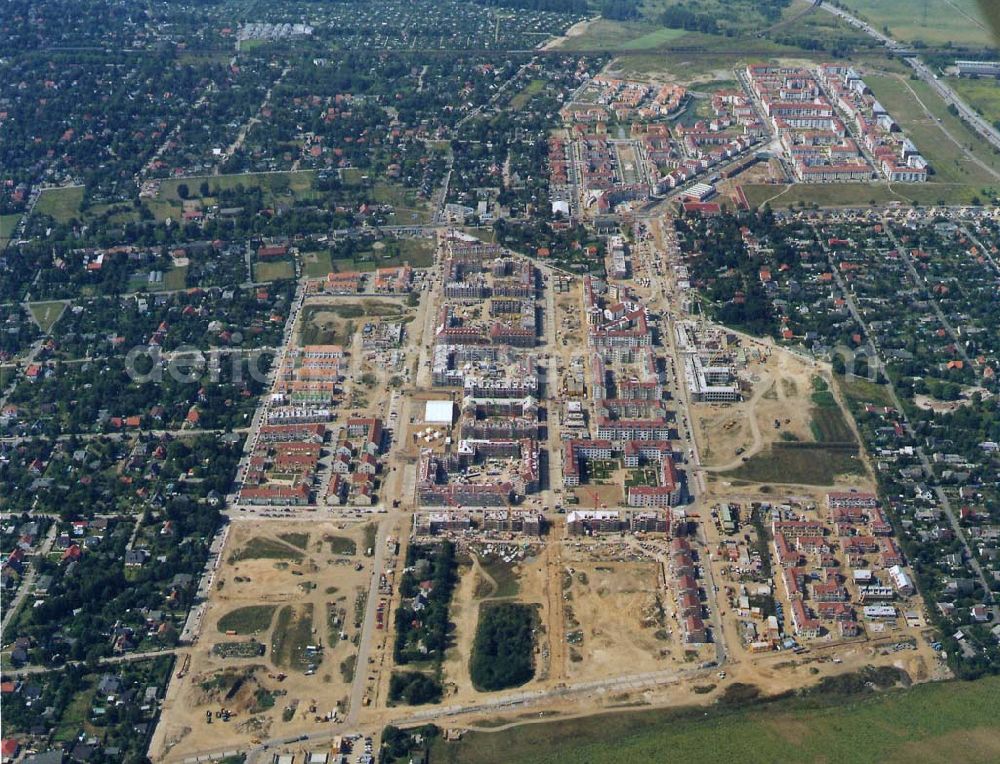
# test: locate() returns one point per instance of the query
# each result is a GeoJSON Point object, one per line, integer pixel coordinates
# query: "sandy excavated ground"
{"type": "Point", "coordinates": [576, 30]}
{"type": "Point", "coordinates": [782, 386]}
{"type": "Point", "coordinates": [613, 614]}
{"type": "Point", "coordinates": [321, 580]}
{"type": "Point", "coordinates": [602, 608]}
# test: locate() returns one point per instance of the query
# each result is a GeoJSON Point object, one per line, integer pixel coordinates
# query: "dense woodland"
{"type": "Point", "coordinates": [503, 650]}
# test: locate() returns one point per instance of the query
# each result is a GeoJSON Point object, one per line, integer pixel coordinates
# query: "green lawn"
{"type": "Point", "coordinates": [247, 620]}
{"type": "Point", "coordinates": [930, 723]}
{"type": "Point", "coordinates": [46, 313]}
{"type": "Point", "coordinates": [273, 270]}
{"type": "Point", "coordinates": [519, 101]}
{"type": "Point", "coordinates": [7, 225]}
{"type": "Point", "coordinates": [945, 20]}
{"type": "Point", "coordinates": [316, 265]}
{"type": "Point", "coordinates": [62, 204]}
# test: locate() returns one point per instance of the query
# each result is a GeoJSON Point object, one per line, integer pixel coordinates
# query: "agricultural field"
{"type": "Point", "coordinates": [934, 22]}
{"type": "Point", "coordinates": [939, 722]}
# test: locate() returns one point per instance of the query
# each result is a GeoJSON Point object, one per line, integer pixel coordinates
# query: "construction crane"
{"type": "Point", "coordinates": [598, 504]}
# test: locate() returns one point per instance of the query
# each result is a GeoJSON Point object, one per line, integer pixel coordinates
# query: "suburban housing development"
{"type": "Point", "coordinates": [452, 380]}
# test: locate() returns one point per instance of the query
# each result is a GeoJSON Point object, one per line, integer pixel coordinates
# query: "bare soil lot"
{"type": "Point", "coordinates": [616, 615]}
{"type": "Point", "coordinates": [270, 648]}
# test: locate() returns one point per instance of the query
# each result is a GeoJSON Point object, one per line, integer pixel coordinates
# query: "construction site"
{"type": "Point", "coordinates": [279, 639]}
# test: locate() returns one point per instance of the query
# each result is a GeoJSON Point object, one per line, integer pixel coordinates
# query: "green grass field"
{"type": "Point", "coordinates": [605, 34]}
{"type": "Point", "coordinates": [372, 308]}
{"type": "Point", "coordinates": [930, 723]}
{"type": "Point", "coordinates": [273, 270]}
{"type": "Point", "coordinates": [829, 425]}
{"type": "Point", "coordinates": [46, 313]}
{"type": "Point", "coordinates": [419, 253]}
{"type": "Point", "coordinates": [798, 464]}
{"type": "Point", "coordinates": [520, 100]}
{"type": "Point", "coordinates": [173, 279]}
{"type": "Point", "coordinates": [247, 620]}
{"type": "Point", "coordinates": [164, 208]}
{"type": "Point", "coordinates": [316, 265]}
{"type": "Point", "coordinates": [300, 540]}
{"type": "Point", "coordinates": [259, 548]}
{"type": "Point", "coordinates": [654, 39]}
{"type": "Point", "coordinates": [858, 391]}
{"type": "Point", "coordinates": [316, 327]}
{"type": "Point", "coordinates": [956, 21]}
{"type": "Point", "coordinates": [274, 184]}
{"type": "Point", "coordinates": [61, 204]}
{"type": "Point", "coordinates": [408, 209]}
{"type": "Point", "coordinates": [860, 194]}
{"type": "Point", "coordinates": [909, 102]}
{"type": "Point", "coordinates": [982, 95]}
{"type": "Point", "coordinates": [292, 632]}
{"type": "Point", "coordinates": [342, 545]}
{"type": "Point", "coordinates": [76, 716]}
{"type": "Point", "coordinates": [7, 225]}
{"type": "Point", "coordinates": [503, 575]}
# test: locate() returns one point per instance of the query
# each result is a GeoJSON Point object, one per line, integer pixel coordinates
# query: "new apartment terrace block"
{"type": "Point", "coordinates": [827, 575]}
{"type": "Point", "coordinates": [831, 127]}
{"type": "Point", "coordinates": [479, 473]}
